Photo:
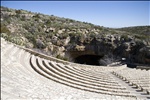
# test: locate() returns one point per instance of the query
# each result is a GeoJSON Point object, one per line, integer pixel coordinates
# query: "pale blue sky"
{"type": "Point", "coordinates": [103, 13]}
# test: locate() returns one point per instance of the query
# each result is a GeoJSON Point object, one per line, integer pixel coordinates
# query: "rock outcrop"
{"type": "Point", "coordinates": [131, 49]}
{"type": "Point", "coordinates": [67, 38]}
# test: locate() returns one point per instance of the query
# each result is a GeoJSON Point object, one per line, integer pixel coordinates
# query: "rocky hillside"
{"type": "Point", "coordinates": [72, 40]}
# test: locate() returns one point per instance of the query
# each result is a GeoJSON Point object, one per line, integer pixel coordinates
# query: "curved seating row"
{"type": "Point", "coordinates": [137, 77]}
{"type": "Point", "coordinates": [81, 77]}
{"type": "Point", "coordinates": [97, 68]}
{"type": "Point", "coordinates": [102, 74]}
{"type": "Point", "coordinates": [20, 80]}
{"type": "Point", "coordinates": [50, 71]}
{"type": "Point", "coordinates": [92, 78]}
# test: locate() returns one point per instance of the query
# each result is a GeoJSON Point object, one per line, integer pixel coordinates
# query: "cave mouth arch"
{"type": "Point", "coordinates": [88, 59]}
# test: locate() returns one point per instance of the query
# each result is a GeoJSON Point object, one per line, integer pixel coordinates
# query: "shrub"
{"type": "Point", "coordinates": [36, 16]}
{"type": "Point", "coordinates": [4, 35]}
{"type": "Point", "coordinates": [92, 35]}
{"type": "Point", "coordinates": [140, 36]}
{"type": "Point", "coordinates": [18, 11]}
{"type": "Point", "coordinates": [40, 44]}
{"type": "Point", "coordinates": [62, 58]}
{"type": "Point", "coordinates": [23, 18]}
{"type": "Point", "coordinates": [124, 36]}
{"type": "Point", "coordinates": [4, 29]}
{"type": "Point", "coordinates": [17, 40]}
{"type": "Point", "coordinates": [31, 38]}
{"type": "Point", "coordinates": [48, 23]}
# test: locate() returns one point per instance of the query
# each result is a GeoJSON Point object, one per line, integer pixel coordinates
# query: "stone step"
{"type": "Point", "coordinates": [132, 77]}
{"type": "Point", "coordinates": [96, 80]}
{"type": "Point", "coordinates": [98, 74]}
{"type": "Point", "coordinates": [86, 87]}
{"type": "Point", "coordinates": [7, 49]}
{"type": "Point", "coordinates": [97, 83]}
{"type": "Point", "coordinates": [25, 78]}
{"type": "Point", "coordinates": [88, 75]}
{"type": "Point", "coordinates": [94, 83]}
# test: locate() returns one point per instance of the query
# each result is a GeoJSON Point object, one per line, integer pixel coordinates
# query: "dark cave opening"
{"type": "Point", "coordinates": [88, 59]}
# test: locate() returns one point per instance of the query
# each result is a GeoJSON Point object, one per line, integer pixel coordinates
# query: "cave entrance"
{"type": "Point", "coordinates": [88, 59]}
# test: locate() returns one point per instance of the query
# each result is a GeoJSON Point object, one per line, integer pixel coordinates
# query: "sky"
{"type": "Point", "coordinates": [114, 14]}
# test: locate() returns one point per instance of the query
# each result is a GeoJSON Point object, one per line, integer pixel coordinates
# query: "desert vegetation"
{"type": "Point", "coordinates": [58, 35]}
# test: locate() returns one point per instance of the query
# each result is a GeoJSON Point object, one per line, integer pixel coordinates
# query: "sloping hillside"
{"type": "Point", "coordinates": [69, 39]}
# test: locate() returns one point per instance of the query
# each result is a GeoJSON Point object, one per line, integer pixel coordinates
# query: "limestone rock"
{"type": "Point", "coordinates": [60, 31]}
{"type": "Point", "coordinates": [80, 48]}
{"type": "Point", "coordinates": [67, 40]}
{"type": "Point", "coordinates": [40, 44]}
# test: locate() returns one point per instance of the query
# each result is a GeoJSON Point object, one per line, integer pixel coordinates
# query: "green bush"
{"type": "Point", "coordinates": [4, 29]}
{"type": "Point", "coordinates": [36, 16]}
{"type": "Point", "coordinates": [18, 11]}
{"type": "Point", "coordinates": [31, 38]}
{"type": "Point", "coordinates": [92, 35]}
{"type": "Point", "coordinates": [124, 36]}
{"type": "Point", "coordinates": [141, 36]}
{"type": "Point", "coordinates": [17, 40]}
{"type": "Point", "coordinates": [4, 35]}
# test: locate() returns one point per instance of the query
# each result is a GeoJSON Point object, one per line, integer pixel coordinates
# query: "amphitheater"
{"type": "Point", "coordinates": [29, 75]}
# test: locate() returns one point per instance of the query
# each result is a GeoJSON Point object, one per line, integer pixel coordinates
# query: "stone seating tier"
{"type": "Point", "coordinates": [26, 74]}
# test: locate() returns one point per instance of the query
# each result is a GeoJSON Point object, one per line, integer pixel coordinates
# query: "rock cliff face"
{"type": "Point", "coordinates": [111, 48]}
{"type": "Point", "coordinates": [75, 41]}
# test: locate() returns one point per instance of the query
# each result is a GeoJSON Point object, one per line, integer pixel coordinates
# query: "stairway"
{"type": "Point", "coordinates": [26, 76]}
